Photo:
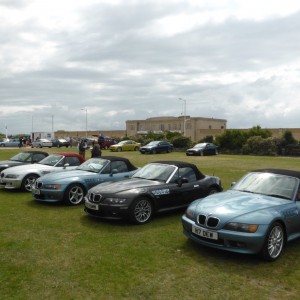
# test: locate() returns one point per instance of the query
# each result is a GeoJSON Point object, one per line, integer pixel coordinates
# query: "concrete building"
{"type": "Point", "coordinates": [194, 128]}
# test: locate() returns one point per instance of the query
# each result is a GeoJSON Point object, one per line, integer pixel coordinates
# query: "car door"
{"type": "Point", "coordinates": [174, 194]}
{"type": "Point", "coordinates": [126, 145]}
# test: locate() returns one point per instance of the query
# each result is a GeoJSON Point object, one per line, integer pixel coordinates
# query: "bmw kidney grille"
{"type": "Point", "coordinates": [96, 198]}
{"type": "Point", "coordinates": [208, 221]}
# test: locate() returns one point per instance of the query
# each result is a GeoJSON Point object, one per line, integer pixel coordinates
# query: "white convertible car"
{"type": "Point", "coordinates": [23, 177]}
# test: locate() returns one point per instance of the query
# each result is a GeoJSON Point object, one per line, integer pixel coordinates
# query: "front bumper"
{"type": "Point", "coordinates": [10, 183]}
{"type": "Point", "coordinates": [100, 210]}
{"type": "Point", "coordinates": [47, 195]}
{"type": "Point", "coordinates": [233, 241]}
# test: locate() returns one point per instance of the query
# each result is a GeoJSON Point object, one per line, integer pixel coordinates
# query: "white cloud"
{"type": "Point", "coordinates": [237, 60]}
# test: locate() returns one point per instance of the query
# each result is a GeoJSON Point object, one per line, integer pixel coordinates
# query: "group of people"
{"type": "Point", "coordinates": [96, 147]}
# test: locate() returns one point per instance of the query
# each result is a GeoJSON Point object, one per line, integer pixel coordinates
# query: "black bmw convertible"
{"type": "Point", "coordinates": [157, 187]}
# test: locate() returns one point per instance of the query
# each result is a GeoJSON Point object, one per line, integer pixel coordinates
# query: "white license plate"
{"type": "Point", "coordinates": [92, 206]}
{"type": "Point", "coordinates": [205, 233]}
{"type": "Point", "coordinates": [35, 191]}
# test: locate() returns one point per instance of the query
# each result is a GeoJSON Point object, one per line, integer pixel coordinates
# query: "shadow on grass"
{"type": "Point", "coordinates": [158, 220]}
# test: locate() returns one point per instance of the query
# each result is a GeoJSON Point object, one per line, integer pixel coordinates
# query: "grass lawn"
{"type": "Point", "coordinates": [50, 251]}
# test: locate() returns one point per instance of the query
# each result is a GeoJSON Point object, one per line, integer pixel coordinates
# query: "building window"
{"type": "Point", "coordinates": [162, 127]}
{"type": "Point", "coordinates": [209, 126]}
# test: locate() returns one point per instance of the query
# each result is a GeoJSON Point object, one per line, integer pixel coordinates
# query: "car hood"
{"type": "Point", "coordinates": [196, 149]}
{"type": "Point", "coordinates": [232, 205]}
{"type": "Point", "coordinates": [146, 146]}
{"type": "Point", "coordinates": [28, 169]}
{"type": "Point", "coordinates": [69, 174]}
{"type": "Point", "coordinates": [9, 162]}
{"type": "Point", "coordinates": [124, 185]}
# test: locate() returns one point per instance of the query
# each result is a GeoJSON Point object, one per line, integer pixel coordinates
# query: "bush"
{"type": "Point", "coordinates": [261, 146]}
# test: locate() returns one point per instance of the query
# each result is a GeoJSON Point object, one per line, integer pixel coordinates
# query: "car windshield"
{"type": "Point", "coordinates": [51, 160]}
{"type": "Point", "coordinates": [22, 156]}
{"type": "Point", "coordinates": [94, 165]}
{"type": "Point", "coordinates": [159, 172]}
{"type": "Point", "coordinates": [270, 184]}
{"type": "Point", "coordinates": [152, 143]}
{"type": "Point", "coordinates": [201, 145]}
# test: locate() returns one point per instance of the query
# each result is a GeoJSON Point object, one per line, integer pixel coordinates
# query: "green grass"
{"type": "Point", "coordinates": [50, 251]}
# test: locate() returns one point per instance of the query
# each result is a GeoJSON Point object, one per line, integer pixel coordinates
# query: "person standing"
{"type": "Point", "coordinates": [96, 151]}
{"type": "Point", "coordinates": [82, 147]}
{"type": "Point", "coordinates": [101, 140]}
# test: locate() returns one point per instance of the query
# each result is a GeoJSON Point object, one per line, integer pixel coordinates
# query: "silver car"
{"type": "Point", "coordinates": [23, 177]}
{"type": "Point", "coordinates": [40, 143]}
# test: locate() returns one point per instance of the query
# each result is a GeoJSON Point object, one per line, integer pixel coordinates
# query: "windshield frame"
{"type": "Point", "coordinates": [268, 184]}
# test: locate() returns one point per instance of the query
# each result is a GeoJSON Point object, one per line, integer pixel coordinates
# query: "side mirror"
{"type": "Point", "coordinates": [113, 171]}
{"type": "Point", "coordinates": [233, 183]}
{"type": "Point", "coordinates": [181, 180]}
{"type": "Point", "coordinates": [66, 165]}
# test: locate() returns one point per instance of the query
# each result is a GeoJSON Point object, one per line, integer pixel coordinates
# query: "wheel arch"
{"type": "Point", "coordinates": [73, 183]}
{"type": "Point", "coordinates": [281, 222]}
{"type": "Point", "coordinates": [148, 197]}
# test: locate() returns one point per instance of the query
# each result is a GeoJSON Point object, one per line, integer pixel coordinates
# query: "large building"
{"type": "Point", "coordinates": [194, 128]}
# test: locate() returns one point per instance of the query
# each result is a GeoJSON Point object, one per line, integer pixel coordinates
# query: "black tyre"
{"type": "Point", "coordinates": [74, 194]}
{"type": "Point", "coordinates": [201, 153]}
{"type": "Point", "coordinates": [216, 152]}
{"type": "Point", "coordinates": [274, 242]}
{"type": "Point", "coordinates": [141, 211]}
{"type": "Point", "coordinates": [136, 149]}
{"type": "Point", "coordinates": [153, 151]}
{"type": "Point", "coordinates": [119, 149]}
{"type": "Point", "coordinates": [28, 181]}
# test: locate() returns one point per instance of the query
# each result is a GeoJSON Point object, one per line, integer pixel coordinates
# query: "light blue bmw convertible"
{"type": "Point", "coordinates": [258, 215]}
{"type": "Point", "coordinates": [73, 186]}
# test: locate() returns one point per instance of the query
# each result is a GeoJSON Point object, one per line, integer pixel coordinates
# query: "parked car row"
{"type": "Point", "coordinates": [164, 147]}
{"type": "Point", "coordinates": [259, 214]}
{"type": "Point", "coordinates": [153, 147]}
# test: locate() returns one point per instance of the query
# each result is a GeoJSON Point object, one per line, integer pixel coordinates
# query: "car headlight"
{"type": "Point", "coordinates": [234, 226]}
{"type": "Point", "coordinates": [115, 200]}
{"type": "Point", "coordinates": [52, 186]}
{"type": "Point", "coordinates": [14, 176]}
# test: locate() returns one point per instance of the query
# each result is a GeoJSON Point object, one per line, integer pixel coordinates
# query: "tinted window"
{"type": "Point", "coordinates": [119, 165]}
{"type": "Point", "coordinates": [72, 161]}
{"type": "Point", "coordinates": [38, 157]}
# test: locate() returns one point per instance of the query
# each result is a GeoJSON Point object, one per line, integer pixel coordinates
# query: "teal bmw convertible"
{"type": "Point", "coordinates": [258, 215]}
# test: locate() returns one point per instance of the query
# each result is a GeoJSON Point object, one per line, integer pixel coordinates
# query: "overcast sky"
{"type": "Point", "coordinates": [112, 61]}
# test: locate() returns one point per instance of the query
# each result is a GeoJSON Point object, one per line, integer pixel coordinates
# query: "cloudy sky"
{"type": "Point", "coordinates": [118, 60]}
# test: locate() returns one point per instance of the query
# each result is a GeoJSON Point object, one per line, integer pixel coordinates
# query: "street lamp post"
{"type": "Point", "coordinates": [184, 117]}
{"type": "Point", "coordinates": [85, 121]}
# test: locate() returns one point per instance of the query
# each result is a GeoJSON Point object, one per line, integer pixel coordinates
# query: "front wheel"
{"type": "Point", "coordinates": [141, 211]}
{"type": "Point", "coordinates": [119, 149]}
{"type": "Point", "coordinates": [136, 149]}
{"type": "Point", "coordinates": [274, 242]}
{"type": "Point", "coordinates": [28, 181]}
{"type": "Point", "coordinates": [74, 195]}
